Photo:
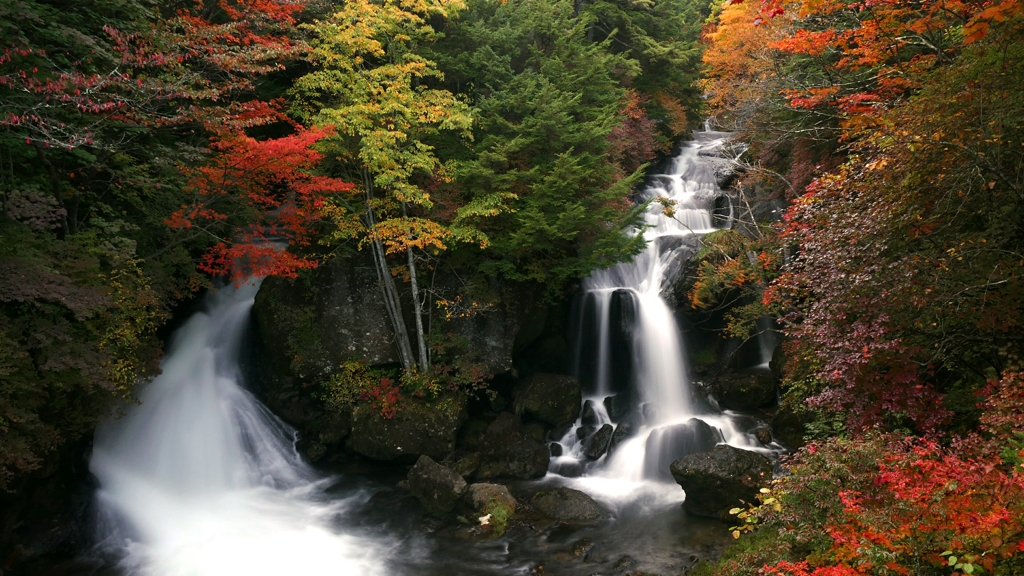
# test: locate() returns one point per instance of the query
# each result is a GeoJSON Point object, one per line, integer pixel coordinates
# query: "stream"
{"type": "Point", "coordinates": [201, 479]}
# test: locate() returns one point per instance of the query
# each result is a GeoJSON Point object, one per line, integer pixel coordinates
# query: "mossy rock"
{"type": "Point", "coordinates": [418, 428]}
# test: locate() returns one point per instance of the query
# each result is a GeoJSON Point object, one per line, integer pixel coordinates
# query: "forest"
{"type": "Point", "coordinates": [152, 154]}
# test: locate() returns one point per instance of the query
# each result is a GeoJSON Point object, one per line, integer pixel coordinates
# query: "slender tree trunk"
{"type": "Point", "coordinates": [392, 302]}
{"type": "Point", "coordinates": [417, 305]}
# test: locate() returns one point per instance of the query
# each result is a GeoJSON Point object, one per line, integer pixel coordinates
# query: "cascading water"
{"type": "Point", "coordinates": [625, 321]}
{"type": "Point", "coordinates": [201, 479]}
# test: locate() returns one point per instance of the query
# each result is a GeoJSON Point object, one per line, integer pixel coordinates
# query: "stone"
{"type": "Point", "coordinates": [548, 398]}
{"type": "Point", "coordinates": [745, 390]}
{"type": "Point", "coordinates": [763, 435]}
{"type": "Point", "coordinates": [336, 316]}
{"type": "Point", "coordinates": [598, 444]}
{"type": "Point", "coordinates": [312, 325]}
{"type": "Point", "coordinates": [467, 464]}
{"type": "Point", "coordinates": [418, 428]}
{"type": "Point", "coordinates": [507, 449]}
{"type": "Point", "coordinates": [790, 426]}
{"type": "Point", "coordinates": [438, 488]}
{"type": "Point", "coordinates": [589, 415]}
{"type": "Point", "coordinates": [617, 406]}
{"type": "Point", "coordinates": [669, 443]}
{"type": "Point", "coordinates": [584, 431]}
{"type": "Point", "coordinates": [623, 430]}
{"type": "Point", "coordinates": [480, 496]}
{"type": "Point", "coordinates": [719, 480]}
{"type": "Point", "coordinates": [567, 505]}
{"type": "Point", "coordinates": [556, 449]}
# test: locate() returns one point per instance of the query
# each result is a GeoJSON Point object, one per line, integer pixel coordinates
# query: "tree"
{"type": "Point", "coordinates": [547, 101]}
{"type": "Point", "coordinates": [373, 87]}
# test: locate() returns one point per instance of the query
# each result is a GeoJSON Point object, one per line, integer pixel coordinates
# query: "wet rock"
{"type": "Point", "coordinates": [778, 362]}
{"type": "Point", "coordinates": [599, 442]}
{"type": "Point", "coordinates": [623, 430]}
{"type": "Point", "coordinates": [438, 488]}
{"type": "Point", "coordinates": [507, 449]}
{"type": "Point", "coordinates": [556, 449]}
{"type": "Point", "coordinates": [481, 496]}
{"type": "Point", "coordinates": [669, 443]}
{"type": "Point", "coordinates": [721, 479]}
{"type": "Point", "coordinates": [567, 505]}
{"type": "Point", "coordinates": [582, 547]}
{"type": "Point", "coordinates": [589, 415]}
{"type": "Point", "coordinates": [419, 428]}
{"type": "Point", "coordinates": [617, 406]}
{"type": "Point", "coordinates": [763, 435]}
{"type": "Point", "coordinates": [790, 426]}
{"type": "Point", "coordinates": [549, 398]}
{"type": "Point", "coordinates": [745, 390]}
{"type": "Point", "coordinates": [585, 431]}
{"type": "Point", "coordinates": [624, 563]}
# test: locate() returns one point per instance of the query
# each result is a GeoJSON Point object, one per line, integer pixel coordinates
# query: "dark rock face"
{"type": "Point", "coordinates": [437, 488]}
{"type": "Point", "coordinates": [745, 390]}
{"type": "Point", "coordinates": [790, 427]}
{"type": "Point", "coordinates": [623, 430]}
{"type": "Point", "coordinates": [721, 479]}
{"type": "Point", "coordinates": [617, 406]}
{"type": "Point", "coordinates": [549, 398]}
{"type": "Point", "coordinates": [668, 444]}
{"type": "Point", "coordinates": [479, 496]}
{"type": "Point", "coordinates": [599, 442]}
{"type": "Point", "coordinates": [588, 417]}
{"type": "Point", "coordinates": [338, 315]}
{"type": "Point", "coordinates": [419, 428]}
{"type": "Point", "coordinates": [567, 505]}
{"type": "Point", "coordinates": [507, 449]}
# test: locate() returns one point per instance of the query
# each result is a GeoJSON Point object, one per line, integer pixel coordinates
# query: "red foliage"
{"type": "Point", "coordinates": [384, 397]}
{"type": "Point", "coordinates": [186, 68]}
{"type": "Point", "coordinates": [928, 501]}
{"type": "Point", "coordinates": [269, 181]}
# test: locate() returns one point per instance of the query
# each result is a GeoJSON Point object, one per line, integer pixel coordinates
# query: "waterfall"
{"type": "Point", "coordinates": [201, 479]}
{"type": "Point", "coordinates": [650, 390]}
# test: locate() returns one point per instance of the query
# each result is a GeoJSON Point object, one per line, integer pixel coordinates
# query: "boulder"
{"type": "Point", "coordinates": [669, 443]}
{"type": "Point", "coordinates": [745, 390]}
{"type": "Point", "coordinates": [549, 398]}
{"type": "Point", "coordinates": [790, 426]}
{"type": "Point", "coordinates": [588, 416]}
{"type": "Point", "coordinates": [418, 428]}
{"type": "Point", "coordinates": [623, 430]}
{"type": "Point", "coordinates": [567, 505]}
{"type": "Point", "coordinates": [598, 444]}
{"type": "Point", "coordinates": [617, 406]}
{"type": "Point", "coordinates": [438, 488]}
{"type": "Point", "coordinates": [508, 449]}
{"type": "Point", "coordinates": [719, 480]}
{"type": "Point", "coordinates": [480, 496]}
{"type": "Point", "coordinates": [336, 314]}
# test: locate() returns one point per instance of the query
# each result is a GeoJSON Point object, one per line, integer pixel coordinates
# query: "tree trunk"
{"type": "Point", "coordinates": [392, 301]}
{"type": "Point", "coordinates": [417, 306]}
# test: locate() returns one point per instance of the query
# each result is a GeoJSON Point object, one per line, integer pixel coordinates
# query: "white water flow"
{"type": "Point", "coordinates": [201, 479]}
{"type": "Point", "coordinates": [623, 308]}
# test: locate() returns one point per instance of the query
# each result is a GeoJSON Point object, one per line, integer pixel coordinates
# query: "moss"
{"type": "Point", "coordinates": [500, 513]}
